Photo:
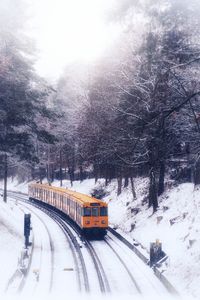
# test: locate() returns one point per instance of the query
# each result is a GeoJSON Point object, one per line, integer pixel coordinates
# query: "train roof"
{"type": "Point", "coordinates": [82, 198]}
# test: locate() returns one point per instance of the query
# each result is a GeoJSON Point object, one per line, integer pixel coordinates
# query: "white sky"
{"type": "Point", "coordinates": [70, 30]}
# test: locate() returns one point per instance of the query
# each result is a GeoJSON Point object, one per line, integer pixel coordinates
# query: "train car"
{"type": "Point", "coordinates": [89, 213]}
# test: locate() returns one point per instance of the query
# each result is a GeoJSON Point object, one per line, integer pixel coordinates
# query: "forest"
{"type": "Point", "coordinates": [134, 112]}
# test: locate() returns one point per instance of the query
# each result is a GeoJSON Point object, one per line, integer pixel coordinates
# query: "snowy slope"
{"type": "Point", "coordinates": [176, 224]}
{"type": "Point", "coordinates": [11, 237]}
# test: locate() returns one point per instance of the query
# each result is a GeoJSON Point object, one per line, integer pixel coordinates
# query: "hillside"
{"type": "Point", "coordinates": [175, 224]}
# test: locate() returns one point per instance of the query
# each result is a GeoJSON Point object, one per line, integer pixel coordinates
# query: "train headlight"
{"type": "Point", "coordinates": [103, 222]}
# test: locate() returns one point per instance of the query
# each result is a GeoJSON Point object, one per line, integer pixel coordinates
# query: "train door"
{"type": "Point", "coordinates": [67, 205]}
{"type": "Point", "coordinates": [64, 204]}
{"type": "Point", "coordinates": [61, 202]}
{"type": "Point", "coordinates": [79, 214]}
{"type": "Point", "coordinates": [75, 211]}
{"type": "Point", "coordinates": [54, 199]}
{"type": "Point", "coordinates": [58, 200]}
{"type": "Point", "coordinates": [47, 196]}
{"type": "Point", "coordinates": [70, 209]}
{"type": "Point", "coordinates": [51, 197]}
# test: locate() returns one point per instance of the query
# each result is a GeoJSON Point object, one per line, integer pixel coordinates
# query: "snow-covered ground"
{"type": "Point", "coordinates": [11, 237]}
{"type": "Point", "coordinates": [176, 224]}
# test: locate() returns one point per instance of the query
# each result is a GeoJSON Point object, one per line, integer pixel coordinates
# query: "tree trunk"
{"type": "Point", "coordinates": [52, 173]}
{"type": "Point", "coordinates": [126, 181]}
{"type": "Point", "coordinates": [5, 177]}
{"type": "Point", "coordinates": [196, 174]}
{"type": "Point", "coordinates": [133, 188]}
{"type": "Point", "coordinates": [119, 185]}
{"type": "Point", "coordinates": [96, 173]}
{"type": "Point", "coordinates": [107, 175]}
{"type": "Point", "coordinates": [32, 173]}
{"type": "Point", "coordinates": [153, 199]}
{"type": "Point", "coordinates": [60, 161]}
{"type": "Point", "coordinates": [40, 172]}
{"type": "Point", "coordinates": [111, 173]}
{"type": "Point", "coordinates": [81, 173]}
{"type": "Point", "coordinates": [71, 175]}
{"type": "Point", "coordinates": [161, 183]}
{"type": "Point", "coordinates": [48, 164]}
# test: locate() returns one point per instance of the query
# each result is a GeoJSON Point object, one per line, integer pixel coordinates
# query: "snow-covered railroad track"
{"type": "Point", "coordinates": [103, 280]}
{"type": "Point", "coordinates": [72, 239]}
{"type": "Point", "coordinates": [50, 242]}
{"type": "Point", "coordinates": [108, 263]}
{"type": "Point", "coordinates": [42, 255]}
{"type": "Point", "coordinates": [125, 266]}
{"type": "Point", "coordinates": [17, 281]}
{"type": "Point", "coordinates": [142, 275]}
{"type": "Point", "coordinates": [73, 236]}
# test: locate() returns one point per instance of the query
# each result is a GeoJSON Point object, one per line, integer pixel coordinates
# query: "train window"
{"type": "Point", "coordinates": [95, 211]}
{"type": "Point", "coordinates": [87, 212]}
{"type": "Point", "coordinates": [103, 211]}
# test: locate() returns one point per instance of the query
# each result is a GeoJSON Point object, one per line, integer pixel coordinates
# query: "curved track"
{"type": "Point", "coordinates": [51, 246]}
{"type": "Point", "coordinates": [42, 250]}
{"type": "Point", "coordinates": [72, 236]}
{"type": "Point", "coordinates": [115, 267]}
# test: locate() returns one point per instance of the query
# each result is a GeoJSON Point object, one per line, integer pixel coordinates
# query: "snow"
{"type": "Point", "coordinates": [176, 224]}
{"type": "Point", "coordinates": [180, 241]}
{"type": "Point", "coordinates": [11, 237]}
{"type": "Point", "coordinates": [51, 266]}
{"type": "Point", "coordinates": [15, 185]}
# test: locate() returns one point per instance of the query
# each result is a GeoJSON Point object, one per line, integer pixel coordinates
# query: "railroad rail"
{"type": "Point", "coordinates": [101, 274]}
{"type": "Point", "coordinates": [65, 225]}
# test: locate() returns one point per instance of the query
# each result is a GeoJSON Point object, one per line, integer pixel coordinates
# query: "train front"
{"type": "Point", "coordinates": [95, 219]}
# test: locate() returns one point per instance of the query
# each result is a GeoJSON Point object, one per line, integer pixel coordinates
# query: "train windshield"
{"type": "Point", "coordinates": [103, 211]}
{"type": "Point", "coordinates": [95, 211]}
{"type": "Point", "coordinates": [87, 212]}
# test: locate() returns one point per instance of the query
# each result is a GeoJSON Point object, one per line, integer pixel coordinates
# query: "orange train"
{"type": "Point", "coordinates": [90, 214]}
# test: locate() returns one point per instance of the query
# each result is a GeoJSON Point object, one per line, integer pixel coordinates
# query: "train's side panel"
{"type": "Point", "coordinates": [65, 204]}
{"type": "Point", "coordinates": [74, 206]}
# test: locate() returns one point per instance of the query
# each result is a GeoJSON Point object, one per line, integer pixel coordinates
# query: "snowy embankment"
{"type": "Point", "coordinates": [11, 235]}
{"type": "Point", "coordinates": [11, 241]}
{"type": "Point", "coordinates": [176, 224]}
